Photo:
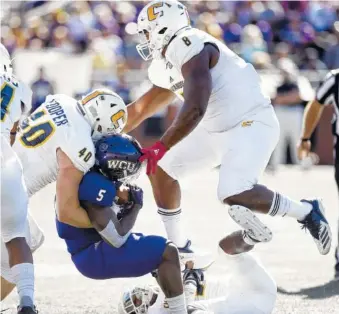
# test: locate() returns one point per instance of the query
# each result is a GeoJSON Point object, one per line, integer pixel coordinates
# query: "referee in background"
{"type": "Point", "coordinates": [327, 93]}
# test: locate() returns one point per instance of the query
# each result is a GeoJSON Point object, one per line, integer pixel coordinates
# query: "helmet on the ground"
{"type": "Point", "coordinates": [105, 111]}
{"type": "Point", "coordinates": [117, 157]}
{"type": "Point", "coordinates": [158, 22]}
{"type": "Point", "coordinates": [137, 300]}
{"type": "Point", "coordinates": [6, 62]}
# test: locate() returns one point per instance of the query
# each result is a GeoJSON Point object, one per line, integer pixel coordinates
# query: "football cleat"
{"type": "Point", "coordinates": [197, 277]}
{"type": "Point", "coordinates": [316, 223]}
{"type": "Point", "coordinates": [255, 230]}
{"type": "Point", "coordinates": [200, 259]}
{"type": "Point", "coordinates": [27, 310]}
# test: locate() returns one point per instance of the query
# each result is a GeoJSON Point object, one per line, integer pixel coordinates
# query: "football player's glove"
{"type": "Point", "coordinates": [153, 154]}
{"type": "Point", "coordinates": [135, 202]}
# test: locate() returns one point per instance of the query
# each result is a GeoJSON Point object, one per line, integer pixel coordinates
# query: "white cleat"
{"type": "Point", "coordinates": [253, 227]}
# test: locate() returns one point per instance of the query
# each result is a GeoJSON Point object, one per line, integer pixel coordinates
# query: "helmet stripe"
{"type": "Point", "coordinates": [94, 94]}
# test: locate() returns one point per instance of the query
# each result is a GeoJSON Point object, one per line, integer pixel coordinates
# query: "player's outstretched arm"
{"type": "Point", "coordinates": [68, 207]}
{"type": "Point", "coordinates": [147, 105]}
{"type": "Point", "coordinates": [197, 91]}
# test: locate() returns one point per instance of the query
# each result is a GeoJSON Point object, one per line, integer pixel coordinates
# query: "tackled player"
{"type": "Point", "coordinates": [110, 249]}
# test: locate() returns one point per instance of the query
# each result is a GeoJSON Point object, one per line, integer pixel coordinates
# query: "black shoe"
{"type": "Point", "coordinates": [27, 310]}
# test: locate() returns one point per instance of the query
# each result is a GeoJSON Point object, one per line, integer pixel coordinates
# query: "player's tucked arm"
{"type": "Point", "coordinates": [147, 105]}
{"type": "Point", "coordinates": [312, 115]}
{"type": "Point", "coordinates": [69, 177]}
{"type": "Point", "coordinates": [106, 222]}
{"type": "Point", "coordinates": [197, 91]}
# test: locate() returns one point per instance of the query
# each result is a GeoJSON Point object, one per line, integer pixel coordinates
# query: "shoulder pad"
{"type": "Point", "coordinates": [97, 189]}
{"type": "Point", "coordinates": [184, 47]}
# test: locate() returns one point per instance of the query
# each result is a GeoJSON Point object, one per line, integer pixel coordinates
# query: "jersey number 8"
{"type": "Point", "coordinates": [186, 41]}
{"type": "Point", "coordinates": [34, 133]}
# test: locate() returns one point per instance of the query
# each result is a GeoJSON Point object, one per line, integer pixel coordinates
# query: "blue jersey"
{"type": "Point", "coordinates": [96, 259]}
{"type": "Point", "coordinates": [96, 189]}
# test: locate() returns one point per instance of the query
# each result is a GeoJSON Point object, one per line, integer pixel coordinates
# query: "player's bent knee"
{"type": "Point", "coordinates": [232, 194]}
{"type": "Point", "coordinates": [171, 253]}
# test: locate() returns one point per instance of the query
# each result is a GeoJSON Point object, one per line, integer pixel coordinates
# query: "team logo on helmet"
{"type": "Point", "coordinates": [120, 115]}
{"type": "Point", "coordinates": [103, 147]}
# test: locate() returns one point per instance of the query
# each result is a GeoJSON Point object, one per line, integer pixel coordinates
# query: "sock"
{"type": "Point", "coordinates": [171, 220]}
{"type": "Point", "coordinates": [23, 275]}
{"type": "Point", "coordinates": [284, 206]}
{"type": "Point", "coordinates": [177, 305]}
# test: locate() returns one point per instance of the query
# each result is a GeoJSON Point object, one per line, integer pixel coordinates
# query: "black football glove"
{"type": "Point", "coordinates": [135, 201]}
{"type": "Point", "coordinates": [136, 196]}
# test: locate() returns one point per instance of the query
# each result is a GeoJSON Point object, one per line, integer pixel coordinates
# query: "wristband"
{"type": "Point", "coordinates": [305, 139]}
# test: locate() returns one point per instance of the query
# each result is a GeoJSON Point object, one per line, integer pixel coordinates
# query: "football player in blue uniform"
{"type": "Point", "coordinates": [110, 249]}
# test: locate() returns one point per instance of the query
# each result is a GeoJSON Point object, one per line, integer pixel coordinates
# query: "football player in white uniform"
{"type": "Point", "coordinates": [225, 121]}
{"type": "Point", "coordinates": [15, 100]}
{"type": "Point", "coordinates": [34, 238]}
{"type": "Point", "coordinates": [249, 290]}
{"type": "Point", "coordinates": [56, 144]}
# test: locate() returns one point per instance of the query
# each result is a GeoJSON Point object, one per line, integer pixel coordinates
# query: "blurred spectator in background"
{"type": "Point", "coordinates": [287, 105]}
{"type": "Point", "coordinates": [332, 54]}
{"type": "Point", "coordinates": [312, 62]}
{"type": "Point", "coordinates": [41, 88]}
{"type": "Point", "coordinates": [252, 41]}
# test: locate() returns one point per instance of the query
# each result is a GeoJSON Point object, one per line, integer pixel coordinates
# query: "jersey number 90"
{"type": "Point", "coordinates": [34, 133]}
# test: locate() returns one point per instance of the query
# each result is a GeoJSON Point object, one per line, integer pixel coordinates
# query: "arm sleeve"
{"type": "Point", "coordinates": [26, 96]}
{"type": "Point", "coordinates": [326, 89]}
{"type": "Point", "coordinates": [80, 150]}
{"type": "Point", "coordinates": [97, 189]}
{"type": "Point", "coordinates": [184, 47]}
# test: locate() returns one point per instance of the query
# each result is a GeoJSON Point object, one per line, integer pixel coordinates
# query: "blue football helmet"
{"type": "Point", "coordinates": [117, 157]}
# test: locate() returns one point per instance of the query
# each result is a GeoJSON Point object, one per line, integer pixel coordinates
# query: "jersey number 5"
{"type": "Point", "coordinates": [34, 133]}
{"type": "Point", "coordinates": [101, 195]}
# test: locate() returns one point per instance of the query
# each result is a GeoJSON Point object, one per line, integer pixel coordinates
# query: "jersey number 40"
{"type": "Point", "coordinates": [34, 132]}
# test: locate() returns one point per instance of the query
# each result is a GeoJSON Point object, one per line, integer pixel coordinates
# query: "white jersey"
{"type": "Point", "coordinates": [236, 92]}
{"type": "Point", "coordinates": [57, 123]}
{"type": "Point", "coordinates": [13, 93]}
{"type": "Point", "coordinates": [250, 290]}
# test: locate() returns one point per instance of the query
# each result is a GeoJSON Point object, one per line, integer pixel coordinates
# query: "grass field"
{"type": "Point", "coordinates": [302, 274]}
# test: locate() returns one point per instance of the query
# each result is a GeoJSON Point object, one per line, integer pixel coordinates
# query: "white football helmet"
{"type": "Point", "coordinates": [158, 22]}
{"type": "Point", "coordinates": [6, 62]}
{"type": "Point", "coordinates": [138, 299]}
{"type": "Point", "coordinates": [105, 111]}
